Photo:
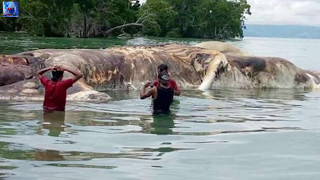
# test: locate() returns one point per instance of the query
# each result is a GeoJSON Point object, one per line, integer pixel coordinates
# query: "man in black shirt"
{"type": "Point", "coordinates": [162, 95]}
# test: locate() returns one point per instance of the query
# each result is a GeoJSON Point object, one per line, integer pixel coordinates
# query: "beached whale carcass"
{"type": "Point", "coordinates": [121, 68]}
{"type": "Point", "coordinates": [247, 71]}
{"type": "Point", "coordinates": [128, 67]}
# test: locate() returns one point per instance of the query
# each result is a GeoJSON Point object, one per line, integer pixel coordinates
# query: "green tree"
{"type": "Point", "coordinates": [159, 17]}
{"type": "Point", "coordinates": [226, 19]}
{"type": "Point", "coordinates": [186, 19]}
{"type": "Point", "coordinates": [117, 14]}
{"type": "Point", "coordinates": [45, 17]}
{"type": "Point", "coordinates": [82, 22]}
{"type": "Point", "coordinates": [220, 19]}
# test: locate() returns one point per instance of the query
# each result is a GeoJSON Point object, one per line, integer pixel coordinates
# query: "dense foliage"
{"type": "Point", "coordinates": [219, 19]}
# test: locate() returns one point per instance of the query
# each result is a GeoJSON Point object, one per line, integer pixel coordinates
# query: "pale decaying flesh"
{"type": "Point", "coordinates": [129, 67]}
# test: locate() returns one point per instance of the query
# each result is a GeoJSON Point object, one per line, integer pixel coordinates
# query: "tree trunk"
{"type": "Point", "coordinates": [84, 26]}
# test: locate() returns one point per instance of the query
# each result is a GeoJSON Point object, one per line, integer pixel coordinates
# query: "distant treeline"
{"type": "Point", "coordinates": [218, 19]}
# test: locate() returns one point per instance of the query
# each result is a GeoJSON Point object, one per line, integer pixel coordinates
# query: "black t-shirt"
{"type": "Point", "coordinates": [164, 100]}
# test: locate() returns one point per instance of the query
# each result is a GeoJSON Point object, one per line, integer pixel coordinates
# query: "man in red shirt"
{"type": "Point", "coordinates": [172, 83]}
{"type": "Point", "coordinates": [56, 88]}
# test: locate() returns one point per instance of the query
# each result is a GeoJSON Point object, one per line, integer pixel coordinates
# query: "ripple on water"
{"type": "Point", "coordinates": [109, 136]}
{"type": "Point", "coordinates": [80, 166]}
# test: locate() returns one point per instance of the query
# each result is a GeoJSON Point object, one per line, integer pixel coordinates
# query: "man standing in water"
{"type": "Point", "coordinates": [56, 88]}
{"type": "Point", "coordinates": [162, 94]}
{"type": "Point", "coordinates": [172, 83]}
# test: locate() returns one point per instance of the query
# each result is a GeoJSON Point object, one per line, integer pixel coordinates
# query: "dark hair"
{"type": "Point", "coordinates": [56, 75]}
{"type": "Point", "coordinates": [162, 67]}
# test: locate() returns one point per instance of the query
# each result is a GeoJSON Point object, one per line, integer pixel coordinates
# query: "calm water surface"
{"type": "Point", "coordinates": [12, 43]}
{"type": "Point", "coordinates": [217, 134]}
{"type": "Point", "coordinates": [304, 53]}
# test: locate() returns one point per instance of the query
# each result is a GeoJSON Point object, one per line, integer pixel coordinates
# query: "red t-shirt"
{"type": "Point", "coordinates": [172, 83]}
{"type": "Point", "coordinates": [55, 93]}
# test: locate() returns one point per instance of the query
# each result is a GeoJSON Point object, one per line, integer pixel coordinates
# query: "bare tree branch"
{"type": "Point", "coordinates": [109, 31]}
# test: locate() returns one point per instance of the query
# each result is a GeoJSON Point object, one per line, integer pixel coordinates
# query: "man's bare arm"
{"type": "Point", "coordinates": [42, 71]}
{"type": "Point", "coordinates": [77, 75]}
{"type": "Point", "coordinates": [144, 93]}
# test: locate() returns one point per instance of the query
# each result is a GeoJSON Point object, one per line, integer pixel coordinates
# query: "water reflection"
{"type": "Point", "coordinates": [162, 124]}
{"type": "Point", "coordinates": [54, 122]}
{"type": "Point", "coordinates": [279, 94]}
{"type": "Point", "coordinates": [48, 155]}
{"type": "Point", "coordinates": [81, 166]}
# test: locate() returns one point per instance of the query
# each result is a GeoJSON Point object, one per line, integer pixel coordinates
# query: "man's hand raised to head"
{"type": "Point", "coordinates": [147, 84]}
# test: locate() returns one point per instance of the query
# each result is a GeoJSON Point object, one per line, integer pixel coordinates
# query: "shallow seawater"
{"type": "Point", "coordinates": [13, 43]}
{"type": "Point", "coordinates": [217, 134]}
{"type": "Point", "coordinates": [304, 53]}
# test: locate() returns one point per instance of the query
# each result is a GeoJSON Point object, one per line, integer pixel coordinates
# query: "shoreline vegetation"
{"type": "Point", "coordinates": [208, 19]}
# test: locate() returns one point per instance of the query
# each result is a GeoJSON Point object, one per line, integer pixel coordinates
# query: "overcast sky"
{"type": "Point", "coordinates": [296, 12]}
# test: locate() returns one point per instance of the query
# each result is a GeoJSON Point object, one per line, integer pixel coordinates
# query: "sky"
{"type": "Point", "coordinates": [285, 12]}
